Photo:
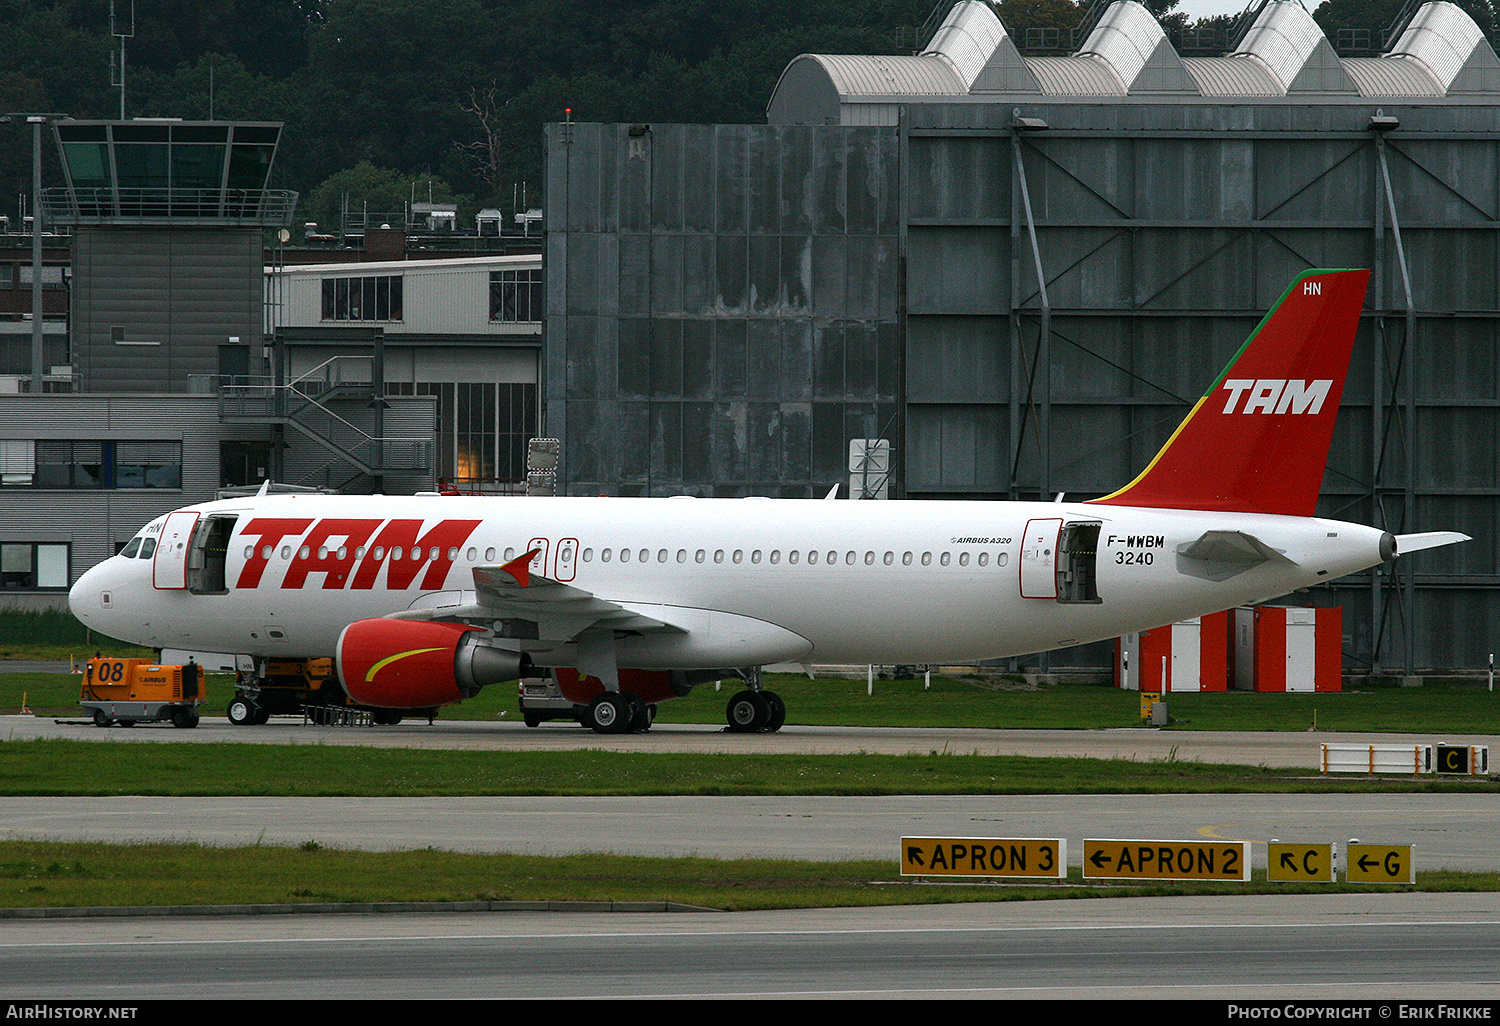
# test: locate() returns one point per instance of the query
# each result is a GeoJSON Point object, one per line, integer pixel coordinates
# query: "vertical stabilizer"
{"type": "Point", "coordinates": [1257, 442]}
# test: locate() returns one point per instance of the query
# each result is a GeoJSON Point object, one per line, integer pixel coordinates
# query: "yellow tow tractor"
{"type": "Point", "coordinates": [131, 691]}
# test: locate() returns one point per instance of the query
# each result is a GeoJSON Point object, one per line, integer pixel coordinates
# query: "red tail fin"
{"type": "Point", "coordinates": [1257, 442]}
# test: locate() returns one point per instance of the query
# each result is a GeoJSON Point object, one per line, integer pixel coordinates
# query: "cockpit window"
{"type": "Point", "coordinates": [148, 546]}
{"type": "Point", "coordinates": [130, 550]}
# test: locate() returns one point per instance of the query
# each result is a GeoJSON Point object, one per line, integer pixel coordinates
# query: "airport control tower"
{"type": "Point", "coordinates": [168, 219]}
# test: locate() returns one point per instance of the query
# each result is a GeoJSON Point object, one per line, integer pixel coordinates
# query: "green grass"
{"type": "Point", "coordinates": [45, 874]}
{"type": "Point", "coordinates": [965, 702]}
{"type": "Point", "coordinates": [67, 767]}
{"type": "Point", "coordinates": [1460, 708]}
{"type": "Point", "coordinates": [56, 634]}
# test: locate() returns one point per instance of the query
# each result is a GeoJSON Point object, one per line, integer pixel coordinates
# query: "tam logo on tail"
{"type": "Point", "coordinates": [1278, 395]}
{"type": "Point", "coordinates": [1264, 449]}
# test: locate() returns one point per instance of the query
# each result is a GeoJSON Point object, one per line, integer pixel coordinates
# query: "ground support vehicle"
{"type": "Point", "coordinates": [131, 691]}
{"type": "Point", "coordinates": [541, 699]}
{"type": "Point", "coordinates": [300, 687]}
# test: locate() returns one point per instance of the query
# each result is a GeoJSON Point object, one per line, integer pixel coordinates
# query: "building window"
{"type": "Point", "coordinates": [516, 296]}
{"type": "Point", "coordinates": [482, 428]}
{"type": "Point", "coordinates": [87, 464]}
{"type": "Point", "coordinates": [17, 461]}
{"type": "Point", "coordinates": [52, 276]}
{"type": "Point", "coordinates": [362, 299]}
{"type": "Point", "coordinates": [28, 566]}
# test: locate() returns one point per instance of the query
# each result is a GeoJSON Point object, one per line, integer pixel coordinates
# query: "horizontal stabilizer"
{"type": "Point", "coordinates": [1406, 543]}
{"type": "Point", "coordinates": [1220, 555]}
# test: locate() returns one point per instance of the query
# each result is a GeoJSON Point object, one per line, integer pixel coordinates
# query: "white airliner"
{"type": "Point", "coordinates": [422, 600]}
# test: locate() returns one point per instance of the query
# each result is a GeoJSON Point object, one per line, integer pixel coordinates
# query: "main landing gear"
{"type": "Point", "coordinates": [619, 712]}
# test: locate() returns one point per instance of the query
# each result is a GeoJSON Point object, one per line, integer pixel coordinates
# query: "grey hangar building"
{"type": "Point", "coordinates": [1022, 271]}
{"type": "Point", "coordinates": [1017, 271]}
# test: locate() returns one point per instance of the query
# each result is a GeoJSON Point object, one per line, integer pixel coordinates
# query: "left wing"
{"type": "Point", "coordinates": [570, 619]}
{"type": "Point", "coordinates": [561, 612]}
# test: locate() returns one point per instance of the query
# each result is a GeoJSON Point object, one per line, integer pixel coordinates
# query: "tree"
{"type": "Point", "coordinates": [1379, 15]}
{"type": "Point", "coordinates": [1061, 16]}
{"type": "Point", "coordinates": [372, 192]}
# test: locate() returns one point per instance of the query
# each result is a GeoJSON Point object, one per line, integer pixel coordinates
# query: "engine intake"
{"type": "Point", "coordinates": [416, 664]}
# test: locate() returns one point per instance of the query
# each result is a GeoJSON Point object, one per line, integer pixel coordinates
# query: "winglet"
{"type": "Point", "coordinates": [520, 568]}
{"type": "Point", "coordinates": [1257, 442]}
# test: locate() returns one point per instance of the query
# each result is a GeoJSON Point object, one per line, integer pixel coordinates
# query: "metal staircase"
{"type": "Point", "coordinates": [306, 405]}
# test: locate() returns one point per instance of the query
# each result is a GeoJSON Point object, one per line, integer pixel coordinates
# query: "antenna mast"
{"type": "Point", "coordinates": [122, 27]}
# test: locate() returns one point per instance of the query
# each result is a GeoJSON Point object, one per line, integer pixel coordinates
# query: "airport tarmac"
{"type": "Point", "coordinates": [1366, 947]}
{"type": "Point", "coordinates": [1377, 953]}
{"type": "Point", "coordinates": [1453, 831]}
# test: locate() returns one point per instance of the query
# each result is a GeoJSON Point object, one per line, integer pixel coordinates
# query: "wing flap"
{"type": "Point", "coordinates": [561, 611]}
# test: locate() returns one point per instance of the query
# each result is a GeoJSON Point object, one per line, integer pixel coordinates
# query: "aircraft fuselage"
{"type": "Point", "coordinates": [750, 581]}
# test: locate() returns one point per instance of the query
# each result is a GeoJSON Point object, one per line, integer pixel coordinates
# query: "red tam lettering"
{"type": "Point", "coordinates": [433, 547]}
{"type": "Point", "coordinates": [333, 561]}
{"type": "Point", "coordinates": [270, 531]}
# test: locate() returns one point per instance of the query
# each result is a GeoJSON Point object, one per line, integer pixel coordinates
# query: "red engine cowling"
{"type": "Point", "coordinates": [417, 664]}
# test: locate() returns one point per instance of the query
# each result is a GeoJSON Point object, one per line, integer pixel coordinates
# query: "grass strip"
{"type": "Point", "coordinates": [65, 767]}
{"type": "Point", "coordinates": [46, 874]}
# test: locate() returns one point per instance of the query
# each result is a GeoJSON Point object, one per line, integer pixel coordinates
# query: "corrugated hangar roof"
{"type": "Point", "coordinates": [915, 76]}
{"type": "Point", "coordinates": [1441, 53]}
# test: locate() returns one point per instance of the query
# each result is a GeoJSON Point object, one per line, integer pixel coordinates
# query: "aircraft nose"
{"type": "Point", "coordinates": [90, 597]}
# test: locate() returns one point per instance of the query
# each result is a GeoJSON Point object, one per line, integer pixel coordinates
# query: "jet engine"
{"type": "Point", "coordinates": [417, 664]}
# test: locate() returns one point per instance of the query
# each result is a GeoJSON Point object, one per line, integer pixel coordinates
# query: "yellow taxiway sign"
{"type": "Point", "coordinates": [984, 856]}
{"type": "Point", "coordinates": [1299, 863]}
{"type": "Point", "coordinates": [1380, 863]}
{"type": "Point", "coordinates": [1166, 860]}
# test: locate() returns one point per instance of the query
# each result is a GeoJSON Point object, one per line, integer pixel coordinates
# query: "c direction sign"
{"type": "Point", "coordinates": [1299, 863]}
{"type": "Point", "coordinates": [1166, 860]}
{"type": "Point", "coordinates": [1455, 759]}
{"type": "Point", "coordinates": [984, 856]}
{"type": "Point", "coordinates": [1380, 863]}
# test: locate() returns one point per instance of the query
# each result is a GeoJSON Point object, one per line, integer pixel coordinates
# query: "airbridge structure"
{"type": "Point", "coordinates": [1022, 270]}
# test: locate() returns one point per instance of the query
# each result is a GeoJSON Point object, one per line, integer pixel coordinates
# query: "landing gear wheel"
{"type": "Point", "coordinates": [101, 718]}
{"type": "Point", "coordinates": [609, 713]}
{"type": "Point", "coordinates": [241, 712]}
{"type": "Point", "coordinates": [184, 718]}
{"type": "Point", "coordinates": [386, 717]}
{"type": "Point", "coordinates": [640, 713]}
{"type": "Point", "coordinates": [778, 711]}
{"type": "Point", "coordinates": [747, 713]}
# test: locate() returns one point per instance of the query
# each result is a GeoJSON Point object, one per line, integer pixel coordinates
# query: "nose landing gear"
{"type": "Point", "coordinates": [755, 710]}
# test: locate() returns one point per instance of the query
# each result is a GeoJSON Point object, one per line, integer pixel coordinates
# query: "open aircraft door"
{"type": "Point", "coordinates": [1039, 558]}
{"type": "Point", "coordinates": [169, 571]}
